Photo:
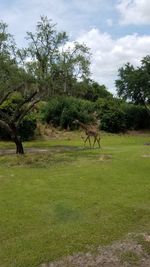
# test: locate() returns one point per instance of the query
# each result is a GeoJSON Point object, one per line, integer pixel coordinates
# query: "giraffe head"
{"type": "Point", "coordinates": [75, 121]}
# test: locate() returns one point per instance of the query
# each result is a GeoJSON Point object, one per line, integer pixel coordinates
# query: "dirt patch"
{"type": "Point", "coordinates": [128, 253]}
{"type": "Point", "coordinates": [57, 148]}
{"type": "Point", "coordinates": [105, 157]}
{"type": "Point", "coordinates": [41, 150]}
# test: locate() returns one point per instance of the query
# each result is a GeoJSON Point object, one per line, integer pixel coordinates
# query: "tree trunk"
{"type": "Point", "coordinates": [12, 131]}
{"type": "Point", "coordinates": [19, 146]}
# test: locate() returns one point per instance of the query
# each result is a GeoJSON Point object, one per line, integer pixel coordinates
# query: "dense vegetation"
{"type": "Point", "coordinates": [114, 115]}
{"type": "Point", "coordinates": [134, 83]}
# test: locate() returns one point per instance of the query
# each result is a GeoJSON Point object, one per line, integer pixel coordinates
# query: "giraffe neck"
{"type": "Point", "coordinates": [82, 125]}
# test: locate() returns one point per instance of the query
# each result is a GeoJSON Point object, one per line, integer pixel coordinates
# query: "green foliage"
{"type": "Point", "coordinates": [28, 124]}
{"type": "Point", "coordinates": [27, 127]}
{"type": "Point", "coordinates": [62, 111]}
{"type": "Point", "coordinates": [111, 115]}
{"type": "Point", "coordinates": [113, 121]}
{"type": "Point", "coordinates": [103, 105]}
{"type": "Point", "coordinates": [119, 116]}
{"type": "Point", "coordinates": [10, 73]}
{"type": "Point", "coordinates": [54, 64]}
{"type": "Point", "coordinates": [114, 114]}
{"type": "Point", "coordinates": [136, 116]}
{"type": "Point", "coordinates": [51, 112]}
{"type": "Point", "coordinates": [134, 83]}
{"type": "Point", "coordinates": [90, 90]}
{"type": "Point", "coordinates": [11, 103]}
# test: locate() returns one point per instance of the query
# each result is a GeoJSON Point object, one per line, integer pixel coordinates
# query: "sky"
{"type": "Point", "coordinates": [116, 31]}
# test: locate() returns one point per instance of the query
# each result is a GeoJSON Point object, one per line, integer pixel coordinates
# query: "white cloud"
{"type": "Point", "coordinates": [109, 54]}
{"type": "Point", "coordinates": [136, 12]}
{"type": "Point", "coordinates": [23, 16]}
{"type": "Point", "coordinates": [72, 16]}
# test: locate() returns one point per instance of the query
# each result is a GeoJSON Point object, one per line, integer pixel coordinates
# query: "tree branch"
{"type": "Point", "coordinates": [25, 101]}
{"type": "Point", "coordinates": [5, 126]}
{"type": "Point", "coordinates": [9, 92]}
{"type": "Point", "coordinates": [26, 111]}
{"type": "Point", "coordinates": [4, 116]}
{"type": "Point", "coordinates": [5, 97]}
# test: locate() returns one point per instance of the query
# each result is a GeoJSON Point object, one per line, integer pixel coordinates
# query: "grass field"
{"type": "Point", "coordinates": [67, 199]}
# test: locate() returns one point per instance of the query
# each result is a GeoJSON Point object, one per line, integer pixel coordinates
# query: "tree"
{"type": "Point", "coordinates": [36, 72]}
{"type": "Point", "coordinates": [96, 91]}
{"type": "Point", "coordinates": [91, 90]}
{"type": "Point", "coordinates": [134, 83]}
{"type": "Point", "coordinates": [55, 62]}
{"type": "Point", "coordinates": [14, 80]}
{"type": "Point", "coordinates": [74, 66]}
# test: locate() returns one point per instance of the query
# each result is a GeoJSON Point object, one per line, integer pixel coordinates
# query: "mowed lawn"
{"type": "Point", "coordinates": [60, 202]}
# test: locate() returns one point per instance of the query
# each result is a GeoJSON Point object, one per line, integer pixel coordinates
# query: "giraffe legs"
{"type": "Point", "coordinates": [88, 138]}
{"type": "Point", "coordinates": [98, 141]}
{"type": "Point", "coordinates": [97, 138]}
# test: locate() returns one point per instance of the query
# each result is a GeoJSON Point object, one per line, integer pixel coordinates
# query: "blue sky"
{"type": "Point", "coordinates": [117, 31]}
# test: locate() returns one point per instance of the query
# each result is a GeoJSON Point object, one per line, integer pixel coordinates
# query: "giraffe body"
{"type": "Point", "coordinates": [90, 131]}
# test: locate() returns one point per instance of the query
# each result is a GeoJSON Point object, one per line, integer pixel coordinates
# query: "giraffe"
{"type": "Point", "coordinates": [90, 131]}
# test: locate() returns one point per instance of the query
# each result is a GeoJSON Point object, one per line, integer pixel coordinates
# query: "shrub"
{"type": "Point", "coordinates": [63, 111]}
{"type": "Point", "coordinates": [113, 121]}
{"type": "Point", "coordinates": [136, 116]}
{"type": "Point", "coordinates": [51, 112]}
{"type": "Point", "coordinates": [27, 127]}
{"type": "Point", "coordinates": [111, 115]}
{"type": "Point", "coordinates": [115, 115]}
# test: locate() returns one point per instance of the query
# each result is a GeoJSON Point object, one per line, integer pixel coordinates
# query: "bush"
{"type": "Point", "coordinates": [27, 127]}
{"type": "Point", "coordinates": [136, 117]}
{"type": "Point", "coordinates": [113, 121]}
{"type": "Point", "coordinates": [115, 115]}
{"type": "Point", "coordinates": [63, 111]}
{"type": "Point", "coordinates": [111, 115]}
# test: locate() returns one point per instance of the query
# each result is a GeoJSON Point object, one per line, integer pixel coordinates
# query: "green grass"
{"type": "Point", "coordinates": [62, 202]}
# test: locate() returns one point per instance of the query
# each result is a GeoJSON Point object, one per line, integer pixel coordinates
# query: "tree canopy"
{"type": "Point", "coordinates": [54, 61]}
{"type": "Point", "coordinates": [134, 83]}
